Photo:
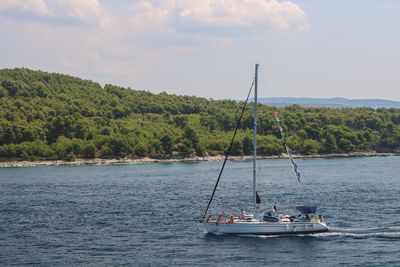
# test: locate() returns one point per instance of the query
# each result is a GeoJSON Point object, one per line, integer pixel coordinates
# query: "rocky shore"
{"type": "Point", "coordinates": [77, 162]}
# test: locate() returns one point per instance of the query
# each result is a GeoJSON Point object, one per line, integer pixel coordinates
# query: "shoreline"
{"type": "Point", "coordinates": [97, 161]}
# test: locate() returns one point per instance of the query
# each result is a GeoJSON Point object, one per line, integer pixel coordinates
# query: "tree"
{"type": "Point", "coordinates": [186, 147]}
{"type": "Point", "coordinates": [3, 92]}
{"type": "Point", "coordinates": [313, 131]}
{"type": "Point", "coordinates": [311, 146]}
{"type": "Point", "coordinates": [329, 143]}
{"type": "Point", "coordinates": [166, 142]}
{"type": "Point", "coordinates": [294, 142]}
{"type": "Point", "coordinates": [247, 145]}
{"type": "Point", "coordinates": [191, 142]}
{"type": "Point", "coordinates": [237, 148]}
{"type": "Point", "coordinates": [12, 87]}
{"type": "Point", "coordinates": [89, 150]}
{"type": "Point", "coordinates": [345, 145]}
{"type": "Point", "coordinates": [141, 149]}
{"type": "Point", "coordinates": [269, 145]}
{"type": "Point", "coordinates": [66, 148]}
{"type": "Point", "coordinates": [7, 134]}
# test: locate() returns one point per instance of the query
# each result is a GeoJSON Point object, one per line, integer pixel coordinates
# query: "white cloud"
{"type": "Point", "coordinates": [211, 17]}
{"type": "Point", "coordinates": [62, 12]}
{"type": "Point", "coordinates": [180, 23]}
{"type": "Point", "coordinates": [89, 10]}
{"type": "Point", "coordinates": [37, 7]}
{"type": "Point", "coordinates": [112, 41]}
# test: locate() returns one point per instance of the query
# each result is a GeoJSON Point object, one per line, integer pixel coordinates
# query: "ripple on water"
{"type": "Point", "coordinates": [146, 214]}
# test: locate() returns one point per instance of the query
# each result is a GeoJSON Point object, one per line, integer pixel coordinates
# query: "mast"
{"type": "Point", "coordinates": [255, 139]}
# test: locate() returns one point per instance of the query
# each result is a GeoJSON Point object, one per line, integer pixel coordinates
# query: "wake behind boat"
{"type": "Point", "coordinates": [270, 222]}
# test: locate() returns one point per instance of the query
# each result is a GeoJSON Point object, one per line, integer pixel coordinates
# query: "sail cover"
{"type": "Point", "coordinates": [307, 209]}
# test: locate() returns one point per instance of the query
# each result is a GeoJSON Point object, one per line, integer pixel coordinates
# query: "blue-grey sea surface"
{"type": "Point", "coordinates": [146, 214]}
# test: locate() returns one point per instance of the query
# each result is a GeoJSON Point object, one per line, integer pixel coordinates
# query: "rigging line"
{"type": "Point", "coordinates": [229, 149]}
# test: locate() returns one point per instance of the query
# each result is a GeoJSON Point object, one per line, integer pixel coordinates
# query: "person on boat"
{"type": "Point", "coordinates": [230, 220]}
{"type": "Point", "coordinates": [242, 214]}
{"type": "Point", "coordinates": [209, 219]}
{"type": "Point", "coordinates": [220, 219]}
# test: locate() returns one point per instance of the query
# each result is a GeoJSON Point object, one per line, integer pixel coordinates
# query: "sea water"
{"type": "Point", "coordinates": [146, 214]}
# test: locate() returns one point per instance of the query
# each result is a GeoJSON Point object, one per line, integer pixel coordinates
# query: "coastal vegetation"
{"type": "Point", "coordinates": [54, 116]}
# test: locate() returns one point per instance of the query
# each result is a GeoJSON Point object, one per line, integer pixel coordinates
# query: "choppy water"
{"type": "Point", "coordinates": [146, 214]}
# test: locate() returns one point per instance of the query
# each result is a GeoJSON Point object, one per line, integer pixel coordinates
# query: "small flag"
{"type": "Point", "coordinates": [282, 133]}
{"type": "Point", "coordinates": [296, 171]}
{"type": "Point", "coordinates": [289, 151]}
{"type": "Point", "coordinates": [295, 168]}
{"type": "Point", "coordinates": [276, 118]}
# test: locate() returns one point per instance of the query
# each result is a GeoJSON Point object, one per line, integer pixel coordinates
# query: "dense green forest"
{"type": "Point", "coordinates": [54, 116]}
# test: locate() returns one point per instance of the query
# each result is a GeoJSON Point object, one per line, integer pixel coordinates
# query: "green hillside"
{"type": "Point", "coordinates": [54, 116]}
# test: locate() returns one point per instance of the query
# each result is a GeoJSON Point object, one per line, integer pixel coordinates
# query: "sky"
{"type": "Point", "coordinates": [306, 48]}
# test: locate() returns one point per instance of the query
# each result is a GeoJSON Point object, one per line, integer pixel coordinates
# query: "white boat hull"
{"type": "Point", "coordinates": [266, 228]}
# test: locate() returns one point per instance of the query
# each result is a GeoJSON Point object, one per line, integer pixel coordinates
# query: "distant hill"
{"type": "Point", "coordinates": [330, 102]}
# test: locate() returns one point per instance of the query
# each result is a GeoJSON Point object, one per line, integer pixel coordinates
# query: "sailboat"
{"type": "Point", "coordinates": [269, 222]}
